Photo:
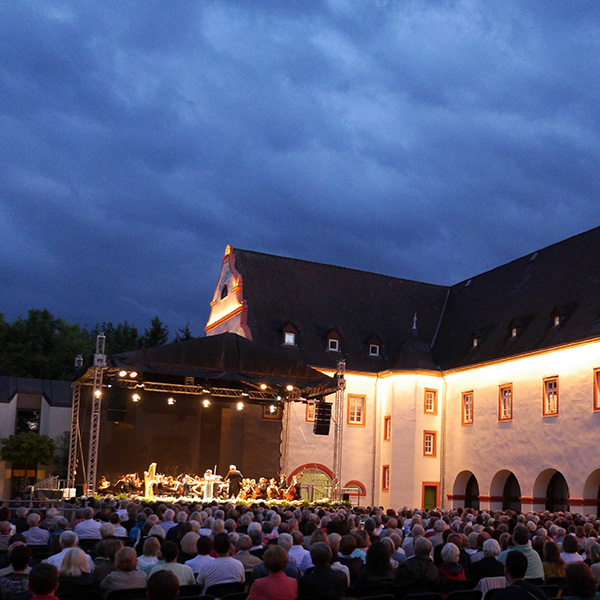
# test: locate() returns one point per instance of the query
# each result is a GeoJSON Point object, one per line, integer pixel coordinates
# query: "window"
{"type": "Point", "coordinates": [429, 443]}
{"type": "Point", "coordinates": [333, 345]}
{"type": "Point", "coordinates": [505, 396]}
{"type": "Point", "coordinates": [272, 412]}
{"type": "Point", "coordinates": [224, 292]}
{"type": "Point", "coordinates": [387, 429]}
{"type": "Point", "coordinates": [373, 349]}
{"type": "Point", "coordinates": [289, 338]}
{"type": "Point", "coordinates": [310, 411]}
{"type": "Point", "coordinates": [467, 408]}
{"type": "Point", "coordinates": [385, 478]}
{"type": "Point", "coordinates": [596, 389]}
{"type": "Point", "coordinates": [550, 396]}
{"type": "Point", "coordinates": [27, 421]}
{"type": "Point", "coordinates": [431, 401]}
{"type": "Point", "coordinates": [356, 410]}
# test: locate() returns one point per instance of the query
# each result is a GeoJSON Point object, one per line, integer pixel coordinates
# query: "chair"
{"type": "Point", "coordinates": [84, 595]}
{"type": "Point", "coordinates": [487, 585]}
{"type": "Point", "coordinates": [379, 588]}
{"type": "Point", "coordinates": [424, 596]}
{"type": "Point", "coordinates": [130, 594]}
{"type": "Point", "coordinates": [561, 582]}
{"type": "Point", "coordinates": [491, 593]}
{"type": "Point", "coordinates": [454, 586]}
{"type": "Point", "coordinates": [222, 589]}
{"type": "Point", "coordinates": [20, 596]}
{"type": "Point", "coordinates": [550, 591]}
{"type": "Point", "coordinates": [380, 597]}
{"type": "Point", "coordinates": [190, 591]}
{"type": "Point", "coordinates": [465, 595]}
{"type": "Point", "coordinates": [236, 596]}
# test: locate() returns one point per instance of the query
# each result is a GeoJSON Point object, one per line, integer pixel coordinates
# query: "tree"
{"type": "Point", "coordinates": [184, 333]}
{"type": "Point", "coordinates": [156, 335]}
{"type": "Point", "coordinates": [28, 449]}
{"type": "Point", "coordinates": [122, 338]}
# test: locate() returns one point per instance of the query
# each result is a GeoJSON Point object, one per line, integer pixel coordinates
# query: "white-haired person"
{"type": "Point", "coordinates": [125, 576]}
{"type": "Point", "coordinates": [75, 573]}
{"type": "Point", "coordinates": [488, 566]}
{"type": "Point", "coordinates": [67, 540]}
{"type": "Point", "coordinates": [35, 536]}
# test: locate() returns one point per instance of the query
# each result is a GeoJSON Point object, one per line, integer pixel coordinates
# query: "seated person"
{"type": "Point", "coordinates": [451, 569]}
{"type": "Point", "coordinates": [515, 569]}
{"type": "Point", "coordinates": [277, 584]}
{"type": "Point", "coordinates": [149, 558]}
{"type": "Point", "coordinates": [581, 582]}
{"type": "Point", "coordinates": [163, 585]}
{"type": "Point", "coordinates": [68, 540]}
{"type": "Point", "coordinates": [75, 573]}
{"type": "Point", "coordinates": [224, 569]}
{"type": "Point", "coordinates": [419, 569]}
{"type": "Point", "coordinates": [34, 536]}
{"type": "Point", "coordinates": [323, 582]}
{"type": "Point", "coordinates": [204, 545]}
{"type": "Point", "coordinates": [43, 581]}
{"type": "Point", "coordinates": [18, 579]}
{"type": "Point", "coordinates": [125, 576]}
{"type": "Point", "coordinates": [170, 552]}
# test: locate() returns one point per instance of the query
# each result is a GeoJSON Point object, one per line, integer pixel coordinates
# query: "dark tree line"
{"type": "Point", "coordinates": [44, 346]}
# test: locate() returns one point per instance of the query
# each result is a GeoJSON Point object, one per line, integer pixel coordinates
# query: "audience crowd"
{"type": "Point", "coordinates": [290, 552]}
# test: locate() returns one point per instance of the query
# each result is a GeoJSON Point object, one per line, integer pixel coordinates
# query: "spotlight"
{"type": "Point", "coordinates": [171, 401]}
{"type": "Point", "coordinates": [133, 374]}
{"type": "Point", "coordinates": [240, 406]}
{"type": "Point", "coordinates": [263, 386]}
{"type": "Point", "coordinates": [98, 393]}
{"type": "Point", "coordinates": [245, 394]}
{"type": "Point", "coordinates": [272, 408]}
{"type": "Point", "coordinates": [206, 402]}
{"type": "Point", "coordinates": [122, 373]}
{"type": "Point", "coordinates": [278, 397]}
{"type": "Point", "coordinates": [289, 387]}
{"type": "Point", "coordinates": [135, 397]}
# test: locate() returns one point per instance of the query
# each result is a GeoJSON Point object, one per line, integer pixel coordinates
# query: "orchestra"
{"type": "Point", "coordinates": [210, 486]}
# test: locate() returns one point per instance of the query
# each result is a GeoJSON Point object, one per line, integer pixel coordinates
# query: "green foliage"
{"type": "Point", "coordinates": [122, 338]}
{"type": "Point", "coordinates": [184, 333]}
{"type": "Point", "coordinates": [28, 449]}
{"type": "Point", "coordinates": [156, 335]}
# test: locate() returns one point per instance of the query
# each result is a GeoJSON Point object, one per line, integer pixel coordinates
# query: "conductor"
{"type": "Point", "coordinates": [235, 481]}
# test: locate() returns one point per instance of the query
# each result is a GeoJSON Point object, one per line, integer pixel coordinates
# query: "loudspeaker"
{"type": "Point", "coordinates": [345, 497]}
{"type": "Point", "coordinates": [117, 404]}
{"type": "Point", "coordinates": [322, 418]}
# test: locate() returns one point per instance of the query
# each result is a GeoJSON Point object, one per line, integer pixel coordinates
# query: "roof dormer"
{"type": "Point", "coordinates": [334, 341]}
{"type": "Point", "coordinates": [374, 346]}
{"type": "Point", "coordinates": [289, 334]}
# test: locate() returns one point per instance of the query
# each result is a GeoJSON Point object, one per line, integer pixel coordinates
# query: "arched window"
{"type": "Point", "coordinates": [224, 292]}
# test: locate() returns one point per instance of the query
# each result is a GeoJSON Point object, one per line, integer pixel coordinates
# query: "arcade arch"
{"type": "Point", "coordinates": [465, 491]}
{"type": "Point", "coordinates": [551, 490]}
{"type": "Point", "coordinates": [505, 491]}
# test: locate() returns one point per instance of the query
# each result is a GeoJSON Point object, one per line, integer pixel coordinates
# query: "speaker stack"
{"type": "Point", "coordinates": [322, 418]}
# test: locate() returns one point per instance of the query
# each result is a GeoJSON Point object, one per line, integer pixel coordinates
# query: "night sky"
{"type": "Point", "coordinates": [426, 140]}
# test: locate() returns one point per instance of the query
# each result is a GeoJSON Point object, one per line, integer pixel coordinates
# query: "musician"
{"type": "Point", "coordinates": [209, 485]}
{"type": "Point", "coordinates": [235, 481]}
{"type": "Point", "coordinates": [260, 491]}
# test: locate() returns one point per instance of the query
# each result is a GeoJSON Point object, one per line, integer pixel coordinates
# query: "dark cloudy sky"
{"type": "Point", "coordinates": [429, 140]}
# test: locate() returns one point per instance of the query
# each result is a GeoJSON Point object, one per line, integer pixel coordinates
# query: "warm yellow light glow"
{"type": "Point", "coordinates": [98, 393]}
{"type": "Point", "coordinates": [240, 406]}
{"type": "Point", "coordinates": [263, 386]}
{"type": "Point", "coordinates": [206, 402]}
{"type": "Point", "coordinates": [133, 374]}
{"type": "Point", "coordinates": [170, 401]}
{"type": "Point", "coordinates": [272, 408]}
{"type": "Point", "coordinates": [289, 387]}
{"type": "Point", "coordinates": [122, 373]}
{"type": "Point", "coordinates": [135, 397]}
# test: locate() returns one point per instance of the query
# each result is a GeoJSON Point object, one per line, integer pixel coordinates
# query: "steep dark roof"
{"type": "Point", "coordinates": [318, 298]}
{"type": "Point", "coordinates": [57, 393]}
{"type": "Point", "coordinates": [560, 280]}
{"type": "Point", "coordinates": [413, 354]}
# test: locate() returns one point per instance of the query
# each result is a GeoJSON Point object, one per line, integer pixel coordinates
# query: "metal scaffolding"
{"type": "Point", "coordinates": [74, 438]}
{"type": "Point", "coordinates": [338, 429]}
{"type": "Point", "coordinates": [99, 364]}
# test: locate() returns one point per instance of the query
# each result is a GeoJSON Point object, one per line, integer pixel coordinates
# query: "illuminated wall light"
{"type": "Point", "coordinates": [240, 406]}
{"type": "Point", "coordinates": [263, 386]}
{"type": "Point", "coordinates": [136, 397]}
{"type": "Point", "coordinates": [122, 373]}
{"type": "Point", "coordinates": [289, 387]}
{"type": "Point", "coordinates": [206, 402]}
{"type": "Point", "coordinates": [171, 401]}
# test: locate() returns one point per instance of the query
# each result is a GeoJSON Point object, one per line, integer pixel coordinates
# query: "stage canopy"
{"type": "Point", "coordinates": [223, 361]}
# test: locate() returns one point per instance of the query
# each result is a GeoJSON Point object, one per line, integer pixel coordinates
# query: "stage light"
{"type": "Point", "coordinates": [171, 401]}
{"type": "Point", "coordinates": [240, 406]}
{"type": "Point", "coordinates": [135, 397]}
{"type": "Point", "coordinates": [98, 393]}
{"type": "Point", "coordinates": [278, 397]}
{"type": "Point", "coordinates": [263, 386]}
{"type": "Point", "coordinates": [289, 387]}
{"type": "Point", "coordinates": [122, 373]}
{"type": "Point", "coordinates": [272, 408]}
{"type": "Point", "coordinates": [245, 394]}
{"type": "Point", "coordinates": [206, 402]}
{"type": "Point", "coordinates": [133, 374]}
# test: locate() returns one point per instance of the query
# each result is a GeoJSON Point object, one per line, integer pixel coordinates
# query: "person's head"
{"type": "Point", "coordinates": [33, 520]}
{"type": "Point", "coordinates": [188, 542]}
{"type": "Point", "coordinates": [5, 528]}
{"type": "Point", "coordinates": [450, 553]}
{"type": "Point", "coordinates": [221, 543]}
{"type": "Point", "coordinates": [520, 535]}
{"type": "Point", "coordinates": [169, 514]}
{"type": "Point", "coordinates": [19, 557]}
{"type": "Point", "coordinates": [88, 513]}
{"type": "Point", "coordinates": [43, 579]}
{"type": "Point", "coordinates": [515, 566]}
{"type": "Point", "coordinates": [204, 545]}
{"type": "Point", "coordinates": [109, 548]}
{"type": "Point", "coordinates": [570, 544]}
{"type": "Point", "coordinates": [243, 543]}
{"type": "Point", "coordinates": [593, 553]}
{"type": "Point", "coordinates": [275, 558]}
{"type": "Point", "coordinates": [491, 548]}
{"type": "Point", "coordinates": [347, 545]}
{"type": "Point", "coordinates": [75, 563]}
{"type": "Point", "coordinates": [378, 557]}
{"type": "Point", "coordinates": [422, 547]}
{"type": "Point", "coordinates": [163, 585]}
{"type": "Point", "coordinates": [169, 551]}
{"type": "Point", "coordinates": [106, 530]}
{"type": "Point", "coordinates": [286, 541]}
{"type": "Point", "coordinates": [320, 553]}
{"type": "Point", "coordinates": [151, 546]}
{"type": "Point", "coordinates": [580, 580]}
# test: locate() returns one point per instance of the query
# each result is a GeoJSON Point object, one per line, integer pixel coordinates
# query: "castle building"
{"type": "Point", "coordinates": [483, 394]}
